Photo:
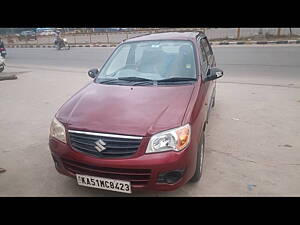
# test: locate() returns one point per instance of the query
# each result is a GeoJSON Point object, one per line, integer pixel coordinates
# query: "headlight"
{"type": "Point", "coordinates": [175, 140]}
{"type": "Point", "coordinates": [57, 130]}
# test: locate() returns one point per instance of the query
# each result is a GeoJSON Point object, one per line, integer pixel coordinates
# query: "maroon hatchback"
{"type": "Point", "coordinates": [140, 124]}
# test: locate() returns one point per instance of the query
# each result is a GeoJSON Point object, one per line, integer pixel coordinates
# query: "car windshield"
{"type": "Point", "coordinates": [168, 61]}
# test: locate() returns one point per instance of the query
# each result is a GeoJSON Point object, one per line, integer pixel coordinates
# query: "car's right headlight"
{"type": "Point", "coordinates": [57, 130]}
{"type": "Point", "coordinates": [171, 140]}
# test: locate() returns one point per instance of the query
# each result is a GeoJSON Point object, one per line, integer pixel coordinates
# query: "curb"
{"type": "Point", "coordinates": [52, 46]}
{"type": "Point", "coordinates": [114, 45]}
{"type": "Point", "coordinates": [255, 42]}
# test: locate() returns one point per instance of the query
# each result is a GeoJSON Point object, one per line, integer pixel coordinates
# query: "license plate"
{"type": "Point", "coordinates": [3, 51]}
{"type": "Point", "coordinates": [104, 183]}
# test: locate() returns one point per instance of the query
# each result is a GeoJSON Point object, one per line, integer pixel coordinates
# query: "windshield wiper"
{"type": "Point", "coordinates": [137, 81]}
{"type": "Point", "coordinates": [106, 81]}
{"type": "Point", "coordinates": [177, 79]}
{"type": "Point", "coordinates": [134, 79]}
{"type": "Point", "coordinates": [142, 83]}
{"type": "Point", "coordinates": [123, 82]}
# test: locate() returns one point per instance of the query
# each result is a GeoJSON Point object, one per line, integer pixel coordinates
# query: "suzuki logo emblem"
{"type": "Point", "coordinates": [100, 145]}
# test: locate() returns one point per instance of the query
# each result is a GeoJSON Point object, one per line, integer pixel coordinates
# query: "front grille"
{"type": "Point", "coordinates": [135, 176]}
{"type": "Point", "coordinates": [117, 146]}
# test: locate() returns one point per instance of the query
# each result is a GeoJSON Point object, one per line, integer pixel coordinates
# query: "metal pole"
{"type": "Point", "coordinates": [238, 33]}
{"type": "Point", "coordinates": [107, 38]}
{"type": "Point", "coordinates": [278, 32]}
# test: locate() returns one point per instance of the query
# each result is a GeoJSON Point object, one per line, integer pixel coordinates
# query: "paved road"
{"type": "Point", "coordinates": [252, 137]}
{"type": "Point", "coordinates": [287, 55]}
{"type": "Point", "coordinates": [77, 58]}
{"type": "Point", "coordinates": [240, 63]}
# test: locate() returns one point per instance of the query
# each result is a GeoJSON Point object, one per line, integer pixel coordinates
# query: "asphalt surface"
{"type": "Point", "coordinates": [240, 63]}
{"type": "Point", "coordinates": [252, 139]}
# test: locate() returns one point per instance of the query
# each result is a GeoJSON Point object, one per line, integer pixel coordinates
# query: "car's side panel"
{"type": "Point", "coordinates": [200, 103]}
{"type": "Point", "coordinates": [210, 85]}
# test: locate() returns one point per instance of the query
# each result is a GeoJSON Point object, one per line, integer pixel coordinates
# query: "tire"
{"type": "Point", "coordinates": [200, 159]}
{"type": "Point", "coordinates": [1, 68]}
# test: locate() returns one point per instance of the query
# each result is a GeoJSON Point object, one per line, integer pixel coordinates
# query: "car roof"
{"type": "Point", "coordinates": [167, 36]}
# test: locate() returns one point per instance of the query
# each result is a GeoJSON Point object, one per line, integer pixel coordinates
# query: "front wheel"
{"type": "Point", "coordinates": [200, 157]}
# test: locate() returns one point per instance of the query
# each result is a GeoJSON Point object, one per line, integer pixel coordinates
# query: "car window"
{"type": "Point", "coordinates": [208, 51]}
{"type": "Point", "coordinates": [206, 47]}
{"type": "Point", "coordinates": [204, 61]}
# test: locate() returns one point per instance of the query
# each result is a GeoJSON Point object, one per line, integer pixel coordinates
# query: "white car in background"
{"type": "Point", "coordinates": [47, 33]}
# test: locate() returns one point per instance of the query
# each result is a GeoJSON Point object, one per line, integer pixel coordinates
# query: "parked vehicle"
{"type": "Point", "coordinates": [61, 43]}
{"type": "Point", "coordinates": [110, 29]}
{"type": "Point", "coordinates": [27, 35]}
{"type": "Point", "coordinates": [2, 64]}
{"type": "Point", "coordinates": [140, 124]}
{"type": "Point", "coordinates": [3, 52]}
{"type": "Point", "coordinates": [47, 33]}
{"type": "Point", "coordinates": [40, 30]}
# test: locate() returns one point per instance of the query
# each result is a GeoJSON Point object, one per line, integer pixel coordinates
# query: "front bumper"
{"type": "Point", "coordinates": [142, 170]}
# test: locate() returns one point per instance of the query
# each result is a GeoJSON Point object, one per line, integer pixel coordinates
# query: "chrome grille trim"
{"type": "Point", "coordinates": [106, 135]}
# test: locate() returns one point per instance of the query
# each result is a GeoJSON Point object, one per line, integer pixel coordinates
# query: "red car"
{"type": "Point", "coordinates": [140, 124]}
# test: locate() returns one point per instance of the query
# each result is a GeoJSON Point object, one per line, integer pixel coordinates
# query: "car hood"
{"type": "Point", "coordinates": [131, 110]}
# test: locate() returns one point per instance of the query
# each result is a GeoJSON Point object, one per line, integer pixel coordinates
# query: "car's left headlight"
{"type": "Point", "coordinates": [57, 130]}
{"type": "Point", "coordinates": [171, 140]}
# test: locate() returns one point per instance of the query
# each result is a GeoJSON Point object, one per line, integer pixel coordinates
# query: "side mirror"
{"type": "Point", "coordinates": [214, 73]}
{"type": "Point", "coordinates": [93, 73]}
